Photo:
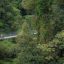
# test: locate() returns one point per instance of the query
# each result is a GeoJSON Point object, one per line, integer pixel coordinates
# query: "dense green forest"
{"type": "Point", "coordinates": [39, 26]}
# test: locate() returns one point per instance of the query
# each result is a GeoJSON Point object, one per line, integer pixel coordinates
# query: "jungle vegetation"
{"type": "Point", "coordinates": [39, 25]}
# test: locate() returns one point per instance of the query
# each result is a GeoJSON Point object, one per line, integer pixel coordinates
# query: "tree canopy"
{"type": "Point", "coordinates": [39, 26]}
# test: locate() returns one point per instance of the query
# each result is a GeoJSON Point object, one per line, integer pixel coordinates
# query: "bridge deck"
{"type": "Point", "coordinates": [7, 36]}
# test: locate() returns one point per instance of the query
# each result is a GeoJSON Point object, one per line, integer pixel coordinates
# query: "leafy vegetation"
{"type": "Point", "coordinates": [39, 25]}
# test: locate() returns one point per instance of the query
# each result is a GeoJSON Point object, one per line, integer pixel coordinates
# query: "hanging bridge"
{"type": "Point", "coordinates": [13, 35]}
{"type": "Point", "coordinates": [7, 36]}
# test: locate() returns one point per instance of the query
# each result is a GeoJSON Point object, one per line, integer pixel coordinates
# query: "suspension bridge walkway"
{"type": "Point", "coordinates": [8, 36]}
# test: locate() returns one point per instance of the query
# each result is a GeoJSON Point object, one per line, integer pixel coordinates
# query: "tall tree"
{"type": "Point", "coordinates": [9, 14]}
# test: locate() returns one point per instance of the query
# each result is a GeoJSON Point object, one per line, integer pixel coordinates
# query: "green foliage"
{"type": "Point", "coordinates": [8, 14]}
{"type": "Point", "coordinates": [7, 50]}
{"type": "Point", "coordinates": [40, 28]}
{"type": "Point", "coordinates": [28, 4]}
